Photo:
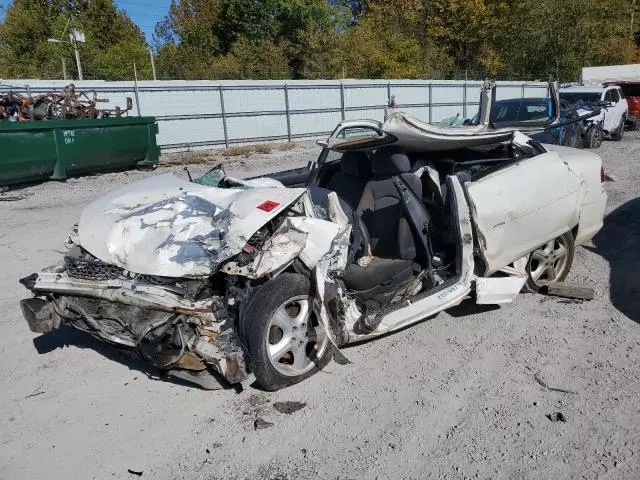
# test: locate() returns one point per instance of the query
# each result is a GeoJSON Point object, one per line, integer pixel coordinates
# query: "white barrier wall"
{"type": "Point", "coordinates": [199, 113]}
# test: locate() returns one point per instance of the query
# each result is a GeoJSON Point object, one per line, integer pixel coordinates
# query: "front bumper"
{"type": "Point", "coordinates": [141, 308]}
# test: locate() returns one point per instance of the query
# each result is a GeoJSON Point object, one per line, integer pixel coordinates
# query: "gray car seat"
{"type": "Point", "coordinates": [381, 206]}
{"type": "Point", "coordinates": [349, 182]}
{"type": "Point", "coordinates": [391, 235]}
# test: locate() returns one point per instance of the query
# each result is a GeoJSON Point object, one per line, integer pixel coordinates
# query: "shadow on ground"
{"type": "Point", "coordinates": [470, 307]}
{"type": "Point", "coordinates": [66, 336]}
{"type": "Point", "coordinates": [619, 243]}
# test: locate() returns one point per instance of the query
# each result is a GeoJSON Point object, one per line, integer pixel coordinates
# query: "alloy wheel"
{"type": "Point", "coordinates": [549, 263]}
{"type": "Point", "coordinates": [296, 340]}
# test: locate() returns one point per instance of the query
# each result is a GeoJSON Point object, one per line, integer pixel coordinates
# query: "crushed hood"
{"type": "Point", "coordinates": [170, 227]}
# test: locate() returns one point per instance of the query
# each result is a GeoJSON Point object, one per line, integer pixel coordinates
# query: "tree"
{"type": "Point", "coordinates": [391, 41]}
{"type": "Point", "coordinates": [212, 37]}
{"type": "Point", "coordinates": [548, 37]}
{"type": "Point", "coordinates": [357, 8]}
{"type": "Point", "coordinates": [113, 41]}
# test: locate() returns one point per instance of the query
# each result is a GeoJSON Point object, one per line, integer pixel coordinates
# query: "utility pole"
{"type": "Point", "coordinates": [633, 13]}
{"type": "Point", "coordinates": [76, 37]}
{"type": "Point", "coordinates": [75, 49]}
{"type": "Point", "coordinates": [153, 63]}
{"type": "Point", "coordinates": [135, 87]}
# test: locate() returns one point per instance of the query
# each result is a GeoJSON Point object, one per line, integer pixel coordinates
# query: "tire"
{"type": "Point", "coordinates": [619, 132]}
{"type": "Point", "coordinates": [593, 138]}
{"type": "Point", "coordinates": [280, 313]}
{"type": "Point", "coordinates": [557, 266]}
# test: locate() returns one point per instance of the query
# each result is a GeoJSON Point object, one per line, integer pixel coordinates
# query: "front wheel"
{"type": "Point", "coordinates": [550, 263]}
{"type": "Point", "coordinates": [593, 138]}
{"type": "Point", "coordinates": [285, 340]}
{"type": "Point", "coordinates": [619, 133]}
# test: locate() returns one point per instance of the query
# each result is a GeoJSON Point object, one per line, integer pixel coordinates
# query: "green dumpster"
{"type": "Point", "coordinates": [54, 149]}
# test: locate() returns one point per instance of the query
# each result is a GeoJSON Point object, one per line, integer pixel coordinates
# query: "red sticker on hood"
{"type": "Point", "coordinates": [268, 205]}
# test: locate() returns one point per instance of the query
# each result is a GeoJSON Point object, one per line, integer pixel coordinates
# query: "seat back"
{"type": "Point", "coordinates": [349, 182]}
{"type": "Point", "coordinates": [381, 206]}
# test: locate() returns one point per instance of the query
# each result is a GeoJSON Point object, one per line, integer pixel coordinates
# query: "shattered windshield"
{"type": "Point", "coordinates": [580, 97]}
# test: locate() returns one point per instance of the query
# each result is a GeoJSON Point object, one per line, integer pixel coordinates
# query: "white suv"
{"type": "Point", "coordinates": [612, 117]}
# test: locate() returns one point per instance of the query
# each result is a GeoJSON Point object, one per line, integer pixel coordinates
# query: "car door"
{"type": "Point", "coordinates": [619, 106]}
{"type": "Point", "coordinates": [524, 205]}
{"type": "Point", "coordinates": [610, 118]}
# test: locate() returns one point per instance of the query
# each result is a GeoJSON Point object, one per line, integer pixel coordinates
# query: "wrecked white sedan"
{"type": "Point", "coordinates": [220, 280]}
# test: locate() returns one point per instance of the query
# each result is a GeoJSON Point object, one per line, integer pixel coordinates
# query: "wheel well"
{"type": "Point", "coordinates": [574, 231]}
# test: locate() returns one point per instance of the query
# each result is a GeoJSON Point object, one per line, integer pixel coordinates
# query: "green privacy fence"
{"type": "Point", "coordinates": [54, 149]}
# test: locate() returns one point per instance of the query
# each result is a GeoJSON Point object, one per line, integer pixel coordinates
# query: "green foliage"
{"type": "Point", "coordinates": [246, 38]}
{"type": "Point", "coordinates": [113, 42]}
{"type": "Point", "coordinates": [560, 38]}
{"type": "Point", "coordinates": [226, 39]}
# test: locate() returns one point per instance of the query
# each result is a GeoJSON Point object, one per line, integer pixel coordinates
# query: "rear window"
{"type": "Point", "coordinates": [631, 90]}
{"type": "Point", "coordinates": [580, 97]}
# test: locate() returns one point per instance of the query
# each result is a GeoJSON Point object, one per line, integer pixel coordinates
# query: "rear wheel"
{"type": "Point", "coordinates": [550, 263]}
{"type": "Point", "coordinates": [286, 342]}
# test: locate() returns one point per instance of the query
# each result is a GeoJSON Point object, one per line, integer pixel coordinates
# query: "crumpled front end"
{"type": "Point", "coordinates": [166, 320]}
{"type": "Point", "coordinates": [167, 270]}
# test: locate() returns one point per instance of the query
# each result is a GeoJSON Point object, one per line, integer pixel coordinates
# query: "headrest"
{"type": "Point", "coordinates": [356, 164]}
{"type": "Point", "coordinates": [390, 161]}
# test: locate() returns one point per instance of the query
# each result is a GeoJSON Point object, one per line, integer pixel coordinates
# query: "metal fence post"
{"type": "Point", "coordinates": [342, 110]}
{"type": "Point", "coordinates": [224, 118]}
{"type": "Point", "coordinates": [464, 99]}
{"type": "Point", "coordinates": [135, 88]}
{"type": "Point", "coordinates": [286, 106]}
{"type": "Point", "coordinates": [430, 100]}
{"type": "Point", "coordinates": [522, 90]}
{"type": "Point", "coordinates": [388, 92]}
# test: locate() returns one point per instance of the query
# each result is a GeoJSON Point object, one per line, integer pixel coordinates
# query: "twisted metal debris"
{"type": "Point", "coordinates": [65, 105]}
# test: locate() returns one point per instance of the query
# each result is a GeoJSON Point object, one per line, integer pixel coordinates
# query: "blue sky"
{"type": "Point", "coordinates": [145, 13]}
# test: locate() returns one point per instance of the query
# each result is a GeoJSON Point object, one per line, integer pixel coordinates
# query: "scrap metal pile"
{"type": "Point", "coordinates": [65, 105]}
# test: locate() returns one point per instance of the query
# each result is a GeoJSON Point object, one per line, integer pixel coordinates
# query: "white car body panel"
{"type": "Point", "coordinates": [522, 206]}
{"type": "Point", "coordinates": [170, 227]}
{"type": "Point", "coordinates": [414, 135]}
{"type": "Point", "coordinates": [498, 290]}
{"type": "Point", "coordinates": [586, 165]}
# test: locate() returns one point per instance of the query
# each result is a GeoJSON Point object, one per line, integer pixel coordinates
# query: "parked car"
{"type": "Point", "coordinates": [580, 127]}
{"type": "Point", "coordinates": [222, 278]}
{"type": "Point", "coordinates": [614, 108]}
{"type": "Point", "coordinates": [631, 90]}
{"type": "Point", "coordinates": [574, 129]}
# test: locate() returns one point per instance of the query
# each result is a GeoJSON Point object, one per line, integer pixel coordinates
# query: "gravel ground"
{"type": "Point", "coordinates": [455, 397]}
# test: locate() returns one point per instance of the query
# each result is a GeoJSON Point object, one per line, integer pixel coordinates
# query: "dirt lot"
{"type": "Point", "coordinates": [454, 397]}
